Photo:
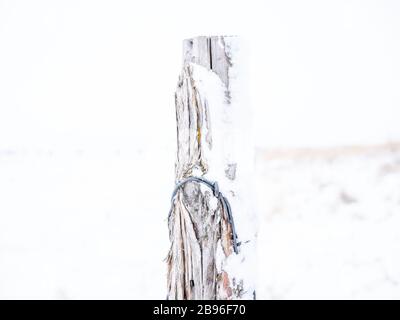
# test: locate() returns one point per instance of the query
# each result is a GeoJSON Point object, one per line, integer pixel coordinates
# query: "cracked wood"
{"type": "Point", "coordinates": [198, 227]}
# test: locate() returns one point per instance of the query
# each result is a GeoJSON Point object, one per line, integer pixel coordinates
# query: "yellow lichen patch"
{"type": "Point", "coordinates": [198, 135]}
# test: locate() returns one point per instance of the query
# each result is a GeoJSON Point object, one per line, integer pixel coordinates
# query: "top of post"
{"type": "Point", "coordinates": [211, 52]}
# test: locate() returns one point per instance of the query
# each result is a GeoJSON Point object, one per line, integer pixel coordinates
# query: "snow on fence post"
{"type": "Point", "coordinates": [206, 260]}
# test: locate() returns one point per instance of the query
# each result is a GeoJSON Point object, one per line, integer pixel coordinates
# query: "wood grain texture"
{"type": "Point", "coordinates": [198, 227]}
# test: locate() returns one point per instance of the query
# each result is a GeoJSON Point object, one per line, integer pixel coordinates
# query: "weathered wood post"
{"type": "Point", "coordinates": [205, 260]}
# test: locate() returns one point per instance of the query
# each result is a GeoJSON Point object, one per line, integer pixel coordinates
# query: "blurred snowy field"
{"type": "Point", "coordinates": [330, 222]}
{"type": "Point", "coordinates": [83, 224]}
{"type": "Point", "coordinates": [92, 224]}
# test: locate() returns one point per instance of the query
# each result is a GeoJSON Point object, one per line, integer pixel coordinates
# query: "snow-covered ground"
{"type": "Point", "coordinates": [83, 223]}
{"type": "Point", "coordinates": [91, 223]}
{"type": "Point", "coordinates": [330, 222]}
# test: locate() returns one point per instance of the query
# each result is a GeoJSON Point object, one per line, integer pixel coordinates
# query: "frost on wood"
{"type": "Point", "coordinates": [201, 256]}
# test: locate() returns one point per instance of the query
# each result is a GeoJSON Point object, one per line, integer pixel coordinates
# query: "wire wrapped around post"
{"type": "Point", "coordinates": [221, 198]}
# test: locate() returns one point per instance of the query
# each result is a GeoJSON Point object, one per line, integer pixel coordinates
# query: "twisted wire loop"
{"type": "Point", "coordinates": [223, 200]}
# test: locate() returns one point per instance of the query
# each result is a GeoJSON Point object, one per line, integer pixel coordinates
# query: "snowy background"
{"type": "Point", "coordinates": [87, 144]}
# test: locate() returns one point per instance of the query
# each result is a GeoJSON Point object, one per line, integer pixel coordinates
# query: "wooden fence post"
{"type": "Point", "coordinates": [213, 125]}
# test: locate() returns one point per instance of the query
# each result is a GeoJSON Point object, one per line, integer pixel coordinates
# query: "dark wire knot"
{"type": "Point", "coordinates": [224, 201]}
{"type": "Point", "coordinates": [216, 190]}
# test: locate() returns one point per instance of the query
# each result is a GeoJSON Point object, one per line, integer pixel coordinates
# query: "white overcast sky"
{"type": "Point", "coordinates": [86, 73]}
